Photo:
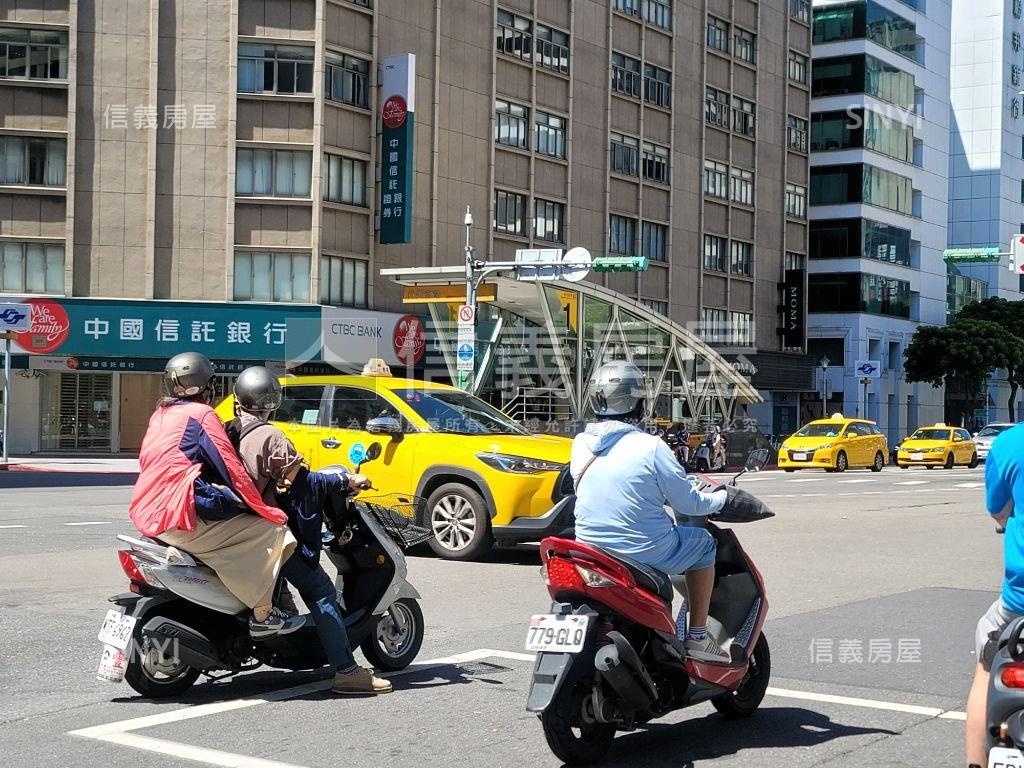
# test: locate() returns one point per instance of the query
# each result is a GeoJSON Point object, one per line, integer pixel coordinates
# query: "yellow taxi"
{"type": "Point", "coordinates": [835, 444]}
{"type": "Point", "coordinates": [485, 478]}
{"type": "Point", "coordinates": [939, 445]}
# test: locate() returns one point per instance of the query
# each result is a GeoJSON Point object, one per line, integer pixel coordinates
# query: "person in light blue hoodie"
{"type": "Point", "coordinates": [624, 478]}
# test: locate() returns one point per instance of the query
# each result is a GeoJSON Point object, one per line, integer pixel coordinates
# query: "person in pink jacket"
{"type": "Point", "coordinates": [194, 493]}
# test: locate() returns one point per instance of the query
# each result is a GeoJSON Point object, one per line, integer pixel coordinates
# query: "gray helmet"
{"type": "Point", "coordinates": [258, 390]}
{"type": "Point", "coordinates": [616, 389]}
{"type": "Point", "coordinates": [188, 374]}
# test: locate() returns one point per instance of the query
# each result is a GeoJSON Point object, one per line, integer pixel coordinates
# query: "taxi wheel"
{"type": "Point", "coordinates": [950, 462]}
{"type": "Point", "coordinates": [791, 470]}
{"type": "Point", "coordinates": [879, 462]}
{"type": "Point", "coordinates": [458, 517]}
{"type": "Point", "coordinates": [841, 462]}
{"type": "Point", "coordinates": [974, 461]}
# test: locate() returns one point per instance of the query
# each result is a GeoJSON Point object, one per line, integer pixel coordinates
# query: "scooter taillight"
{"type": "Point", "coordinates": [1013, 676]}
{"type": "Point", "coordinates": [131, 568]}
{"type": "Point", "coordinates": [562, 574]}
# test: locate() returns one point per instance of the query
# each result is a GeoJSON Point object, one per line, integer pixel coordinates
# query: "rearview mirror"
{"type": "Point", "coordinates": [373, 452]}
{"type": "Point", "coordinates": [756, 460]}
{"type": "Point", "coordinates": [384, 425]}
{"type": "Point", "coordinates": [957, 439]}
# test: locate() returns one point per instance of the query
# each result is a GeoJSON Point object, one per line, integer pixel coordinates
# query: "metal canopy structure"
{"type": "Point", "coordinates": [538, 343]}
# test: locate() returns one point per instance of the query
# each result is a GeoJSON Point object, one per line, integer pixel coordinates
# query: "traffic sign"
{"type": "Point", "coordinates": [577, 261]}
{"type": "Point", "coordinates": [446, 294]}
{"type": "Point", "coordinates": [465, 355]}
{"type": "Point", "coordinates": [868, 369]}
{"type": "Point", "coordinates": [1017, 254]}
{"type": "Point", "coordinates": [620, 264]}
{"type": "Point", "coordinates": [467, 315]}
{"type": "Point", "coordinates": [971, 255]}
{"type": "Point", "coordinates": [14, 317]}
{"type": "Point", "coordinates": [542, 255]}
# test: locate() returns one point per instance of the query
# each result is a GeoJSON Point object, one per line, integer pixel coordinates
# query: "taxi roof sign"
{"type": "Point", "coordinates": [376, 367]}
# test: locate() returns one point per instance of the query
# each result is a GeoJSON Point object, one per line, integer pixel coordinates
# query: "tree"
{"type": "Point", "coordinates": [1010, 315]}
{"type": "Point", "coordinates": [965, 352]}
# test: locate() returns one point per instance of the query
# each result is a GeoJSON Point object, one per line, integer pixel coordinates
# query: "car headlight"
{"type": "Point", "coordinates": [519, 464]}
{"type": "Point", "coordinates": [825, 447]}
{"type": "Point", "coordinates": [936, 450]}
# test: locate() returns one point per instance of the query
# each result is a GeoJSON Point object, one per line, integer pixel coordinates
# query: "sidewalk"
{"type": "Point", "coordinates": [79, 464]}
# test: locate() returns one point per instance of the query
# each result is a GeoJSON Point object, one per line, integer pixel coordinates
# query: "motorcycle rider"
{"type": "Point", "coordinates": [1004, 492]}
{"type": "Point", "coordinates": [193, 493]}
{"type": "Point", "coordinates": [623, 478]}
{"type": "Point", "coordinates": [718, 448]}
{"type": "Point", "coordinates": [277, 470]}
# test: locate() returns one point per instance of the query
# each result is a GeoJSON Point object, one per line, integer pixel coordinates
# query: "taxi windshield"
{"type": "Point", "coordinates": [930, 434]}
{"type": "Point", "coordinates": [458, 413]}
{"type": "Point", "coordinates": [820, 430]}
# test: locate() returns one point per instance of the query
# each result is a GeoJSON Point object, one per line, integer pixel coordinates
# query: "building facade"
{"type": "Point", "coordinates": [210, 153]}
{"type": "Point", "coordinates": [878, 203]}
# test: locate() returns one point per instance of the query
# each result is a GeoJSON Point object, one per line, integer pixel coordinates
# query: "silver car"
{"type": "Point", "coordinates": [983, 440]}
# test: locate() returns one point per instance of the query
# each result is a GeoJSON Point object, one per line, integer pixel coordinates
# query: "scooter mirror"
{"type": "Point", "coordinates": [756, 460]}
{"type": "Point", "coordinates": [372, 453]}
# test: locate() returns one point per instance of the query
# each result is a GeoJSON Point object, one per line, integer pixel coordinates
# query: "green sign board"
{"type": "Point", "coordinates": [972, 255]}
{"type": "Point", "coordinates": [398, 90]}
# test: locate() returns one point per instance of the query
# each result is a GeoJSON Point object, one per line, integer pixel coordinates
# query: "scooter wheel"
{"type": "Point", "coordinates": [572, 733]}
{"type": "Point", "coordinates": [745, 700]}
{"type": "Point", "coordinates": [394, 642]}
{"type": "Point", "coordinates": [156, 676]}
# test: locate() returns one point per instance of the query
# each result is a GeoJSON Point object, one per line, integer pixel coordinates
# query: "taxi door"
{"type": "Point", "coordinates": [300, 417]}
{"type": "Point", "coordinates": [854, 445]}
{"type": "Point", "coordinates": [350, 408]}
{"type": "Point", "coordinates": [963, 449]}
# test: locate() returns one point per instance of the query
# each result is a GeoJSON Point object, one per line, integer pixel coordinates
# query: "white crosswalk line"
{"type": "Point", "coordinates": [913, 482]}
{"type": "Point", "coordinates": [805, 480]}
{"type": "Point", "coordinates": [858, 480]}
{"type": "Point", "coordinates": [968, 485]}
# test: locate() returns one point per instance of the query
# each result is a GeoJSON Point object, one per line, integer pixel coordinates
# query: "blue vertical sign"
{"type": "Point", "coordinates": [398, 100]}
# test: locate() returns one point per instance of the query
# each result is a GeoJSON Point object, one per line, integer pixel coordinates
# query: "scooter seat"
{"type": "Point", "coordinates": [649, 578]}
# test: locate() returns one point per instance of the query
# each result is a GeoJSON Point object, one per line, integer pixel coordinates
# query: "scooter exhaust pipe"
{"type": "Point", "coordinates": [622, 669]}
{"type": "Point", "coordinates": [184, 643]}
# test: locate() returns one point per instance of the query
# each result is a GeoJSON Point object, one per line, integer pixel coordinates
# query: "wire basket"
{"type": "Point", "coordinates": [399, 514]}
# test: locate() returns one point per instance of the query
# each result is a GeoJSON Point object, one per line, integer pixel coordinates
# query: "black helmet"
{"type": "Point", "coordinates": [188, 374]}
{"type": "Point", "coordinates": [258, 390]}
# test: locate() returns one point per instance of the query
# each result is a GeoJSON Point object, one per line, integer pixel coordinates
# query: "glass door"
{"type": "Point", "coordinates": [76, 412]}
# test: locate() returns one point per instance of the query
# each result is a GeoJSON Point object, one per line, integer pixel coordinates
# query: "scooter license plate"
{"type": "Point", "coordinates": [116, 629]}
{"type": "Point", "coordinates": [1001, 757]}
{"type": "Point", "coordinates": [552, 633]}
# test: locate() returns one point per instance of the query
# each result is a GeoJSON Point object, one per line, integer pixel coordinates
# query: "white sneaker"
{"type": "Point", "coordinates": [706, 650]}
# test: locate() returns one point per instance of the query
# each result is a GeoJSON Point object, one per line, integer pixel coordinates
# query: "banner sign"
{"type": "Point", "coordinates": [794, 307]}
{"type": "Point", "coordinates": [398, 99]}
{"type": "Point", "coordinates": [352, 337]}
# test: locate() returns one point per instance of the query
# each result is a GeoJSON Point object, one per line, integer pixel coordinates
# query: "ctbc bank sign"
{"type": "Point", "coordinates": [352, 336]}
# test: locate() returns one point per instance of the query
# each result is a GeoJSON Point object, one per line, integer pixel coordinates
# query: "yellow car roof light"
{"type": "Point", "coordinates": [376, 367]}
{"type": "Point", "coordinates": [837, 416]}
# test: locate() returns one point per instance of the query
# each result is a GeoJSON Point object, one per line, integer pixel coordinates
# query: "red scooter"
{"type": "Point", "coordinates": [610, 655]}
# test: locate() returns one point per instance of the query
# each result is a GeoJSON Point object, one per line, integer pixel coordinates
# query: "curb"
{"type": "Point", "coordinates": [52, 470]}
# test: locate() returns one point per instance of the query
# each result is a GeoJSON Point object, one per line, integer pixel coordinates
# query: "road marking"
{"type": "Point", "coordinates": [888, 706]}
{"type": "Point", "coordinates": [913, 482]}
{"type": "Point", "coordinates": [805, 480]}
{"type": "Point", "coordinates": [968, 485]}
{"type": "Point", "coordinates": [13, 526]}
{"type": "Point", "coordinates": [859, 480]}
{"type": "Point", "coordinates": [95, 522]}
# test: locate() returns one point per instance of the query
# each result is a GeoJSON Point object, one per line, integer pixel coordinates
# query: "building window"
{"type": "Point", "coordinates": [34, 162]}
{"type": "Point", "coordinates": [859, 239]}
{"type": "Point", "coordinates": [860, 73]}
{"type": "Point", "coordinates": [961, 291]}
{"type": "Point", "coordinates": [654, 238]}
{"type": "Point", "coordinates": [510, 213]}
{"type": "Point", "coordinates": [35, 54]}
{"type": "Point", "coordinates": [800, 10]}
{"type": "Point", "coordinates": [661, 307]}
{"type": "Point", "coordinates": [622, 235]}
{"type": "Point", "coordinates": [742, 116]}
{"type": "Point", "coordinates": [631, 7]}
{"type": "Point", "coordinates": [363, 3]}
{"type": "Point", "coordinates": [865, 20]}
{"type": "Point", "coordinates": [857, 128]}
{"type": "Point", "coordinates": [515, 35]}
{"type": "Point", "coordinates": [511, 124]}
{"type": "Point", "coordinates": [741, 186]}
{"type": "Point", "coordinates": [263, 276]}
{"type": "Point", "coordinates": [861, 183]}
{"type": "Point", "coordinates": [283, 69]}
{"type": "Point", "coordinates": [658, 13]}
{"type": "Point", "coordinates": [744, 45]}
{"type": "Point", "coordinates": [797, 67]}
{"type": "Point", "coordinates": [625, 154]}
{"type": "Point", "coordinates": [716, 327]}
{"type": "Point", "coordinates": [550, 134]}
{"type": "Point", "coordinates": [552, 49]}
{"type": "Point", "coordinates": [796, 201]}
{"type": "Point", "coordinates": [31, 268]}
{"type": "Point", "coordinates": [741, 325]}
{"type": "Point", "coordinates": [657, 86]}
{"type": "Point", "coordinates": [858, 292]}
{"type": "Point", "coordinates": [716, 107]}
{"type": "Point", "coordinates": [343, 282]}
{"type": "Point", "coordinates": [716, 179]}
{"type": "Point", "coordinates": [548, 218]}
{"type": "Point", "coordinates": [346, 79]}
{"type": "Point", "coordinates": [273, 173]}
{"type": "Point", "coordinates": [740, 257]}
{"type": "Point", "coordinates": [796, 133]}
{"type": "Point", "coordinates": [718, 34]}
{"type": "Point", "coordinates": [714, 252]}
{"type": "Point", "coordinates": [794, 261]}
{"type": "Point", "coordinates": [655, 162]}
{"type": "Point", "coordinates": [344, 180]}
{"type": "Point", "coordinates": [625, 74]}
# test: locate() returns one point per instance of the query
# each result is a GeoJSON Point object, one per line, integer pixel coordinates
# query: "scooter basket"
{"type": "Point", "coordinates": [399, 515]}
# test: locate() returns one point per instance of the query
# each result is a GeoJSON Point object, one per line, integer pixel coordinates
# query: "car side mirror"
{"type": "Point", "coordinates": [957, 439]}
{"type": "Point", "coordinates": [384, 425]}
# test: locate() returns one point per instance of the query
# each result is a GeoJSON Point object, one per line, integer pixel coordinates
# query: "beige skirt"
{"type": "Point", "coordinates": [246, 551]}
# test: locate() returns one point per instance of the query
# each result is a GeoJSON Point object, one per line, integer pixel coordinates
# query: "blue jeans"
{"type": "Point", "coordinates": [318, 593]}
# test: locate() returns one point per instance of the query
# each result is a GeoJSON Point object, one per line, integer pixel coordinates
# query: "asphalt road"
{"type": "Point", "coordinates": [875, 582]}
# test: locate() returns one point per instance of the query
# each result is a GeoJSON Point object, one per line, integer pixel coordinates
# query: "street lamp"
{"type": "Point", "coordinates": [824, 385]}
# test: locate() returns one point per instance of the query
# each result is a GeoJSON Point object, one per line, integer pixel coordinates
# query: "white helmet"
{"type": "Point", "coordinates": [616, 389]}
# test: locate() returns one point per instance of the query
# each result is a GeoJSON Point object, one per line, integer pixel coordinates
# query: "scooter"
{"type": "Point", "coordinates": [610, 655]}
{"type": "Point", "coordinates": [679, 442]}
{"type": "Point", "coordinates": [704, 459]}
{"type": "Point", "coordinates": [1005, 703]}
{"type": "Point", "coordinates": [179, 621]}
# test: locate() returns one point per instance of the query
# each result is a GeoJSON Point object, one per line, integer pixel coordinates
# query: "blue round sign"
{"type": "Point", "coordinates": [357, 454]}
{"type": "Point", "coordinates": [466, 352]}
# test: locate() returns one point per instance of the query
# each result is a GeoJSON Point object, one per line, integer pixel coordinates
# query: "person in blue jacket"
{"type": "Point", "coordinates": [1004, 494]}
{"type": "Point", "coordinates": [624, 478]}
{"type": "Point", "coordinates": [278, 471]}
